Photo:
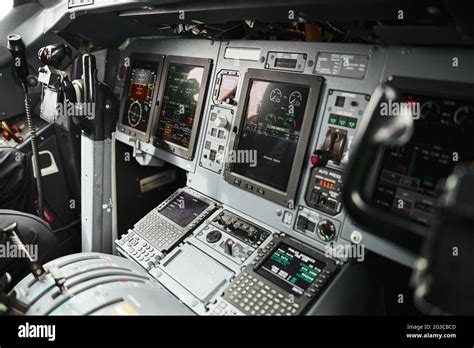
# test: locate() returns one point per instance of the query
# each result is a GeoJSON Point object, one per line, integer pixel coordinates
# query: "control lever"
{"type": "Point", "coordinates": [59, 278]}
{"type": "Point", "coordinates": [229, 247]}
{"type": "Point", "coordinates": [37, 269]}
{"type": "Point", "coordinates": [54, 54]}
{"type": "Point", "coordinates": [9, 304]}
{"type": "Point", "coordinates": [320, 158]}
{"type": "Point", "coordinates": [332, 149]}
{"type": "Point", "coordinates": [12, 232]}
{"type": "Point", "coordinates": [17, 49]}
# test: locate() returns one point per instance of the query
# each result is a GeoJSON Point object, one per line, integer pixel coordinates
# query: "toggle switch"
{"type": "Point", "coordinates": [229, 247]}
{"type": "Point", "coordinates": [334, 143]}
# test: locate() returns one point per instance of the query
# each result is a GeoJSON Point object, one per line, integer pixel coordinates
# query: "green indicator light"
{"type": "Point", "coordinates": [293, 280]}
{"type": "Point", "coordinates": [342, 122]}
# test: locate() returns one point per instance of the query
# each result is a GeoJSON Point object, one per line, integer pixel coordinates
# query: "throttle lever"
{"type": "Point", "coordinates": [36, 269]}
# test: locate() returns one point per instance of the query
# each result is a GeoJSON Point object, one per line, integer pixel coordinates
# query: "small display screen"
{"type": "Point", "coordinates": [228, 87]}
{"type": "Point", "coordinates": [411, 176]}
{"type": "Point", "coordinates": [291, 269]}
{"type": "Point", "coordinates": [271, 131]}
{"type": "Point", "coordinates": [326, 184]}
{"type": "Point", "coordinates": [180, 99]}
{"type": "Point", "coordinates": [287, 63]}
{"type": "Point", "coordinates": [184, 209]}
{"type": "Point", "coordinates": [142, 85]}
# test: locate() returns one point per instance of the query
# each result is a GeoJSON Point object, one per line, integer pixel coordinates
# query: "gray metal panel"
{"type": "Point", "coordinates": [383, 61]}
{"type": "Point", "coordinates": [270, 213]}
{"type": "Point", "coordinates": [430, 63]}
{"type": "Point", "coordinates": [196, 271]}
{"type": "Point", "coordinates": [96, 189]}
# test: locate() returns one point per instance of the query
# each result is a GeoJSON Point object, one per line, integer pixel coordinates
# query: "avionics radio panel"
{"type": "Point", "coordinates": [221, 117]}
{"type": "Point", "coordinates": [232, 265]}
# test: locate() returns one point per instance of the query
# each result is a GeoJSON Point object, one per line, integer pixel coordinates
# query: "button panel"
{"type": "Point", "coordinates": [254, 294]}
{"type": "Point", "coordinates": [308, 221]}
{"type": "Point", "coordinates": [343, 114]}
{"type": "Point", "coordinates": [215, 142]}
{"type": "Point", "coordinates": [139, 250]}
{"type": "Point", "coordinates": [324, 191]}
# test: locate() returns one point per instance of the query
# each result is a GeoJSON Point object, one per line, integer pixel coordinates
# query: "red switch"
{"type": "Point", "coordinates": [6, 135]}
{"type": "Point", "coordinates": [16, 128]}
{"type": "Point", "coordinates": [320, 158]}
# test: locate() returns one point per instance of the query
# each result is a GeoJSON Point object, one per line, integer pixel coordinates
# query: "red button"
{"type": "Point", "coordinates": [314, 160]}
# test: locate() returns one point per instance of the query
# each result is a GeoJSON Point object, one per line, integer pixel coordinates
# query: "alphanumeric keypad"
{"type": "Point", "coordinates": [253, 297]}
{"type": "Point", "coordinates": [162, 234]}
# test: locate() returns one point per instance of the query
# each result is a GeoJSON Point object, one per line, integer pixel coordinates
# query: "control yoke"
{"type": "Point", "coordinates": [90, 103]}
{"type": "Point", "coordinates": [377, 131]}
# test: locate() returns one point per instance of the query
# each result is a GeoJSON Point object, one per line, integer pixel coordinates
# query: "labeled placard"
{"type": "Point", "coordinates": [343, 65]}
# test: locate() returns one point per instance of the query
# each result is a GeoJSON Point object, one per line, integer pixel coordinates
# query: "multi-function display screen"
{"type": "Point", "coordinates": [180, 98]}
{"type": "Point", "coordinates": [291, 269]}
{"type": "Point", "coordinates": [141, 88]}
{"type": "Point", "coordinates": [183, 209]}
{"type": "Point", "coordinates": [411, 176]}
{"type": "Point", "coordinates": [228, 87]}
{"type": "Point", "coordinates": [271, 131]}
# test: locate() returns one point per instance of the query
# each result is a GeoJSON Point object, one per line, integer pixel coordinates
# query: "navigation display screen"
{"type": "Point", "coordinates": [142, 85]}
{"type": "Point", "coordinates": [184, 209]}
{"type": "Point", "coordinates": [411, 176]}
{"type": "Point", "coordinates": [271, 131]}
{"type": "Point", "coordinates": [181, 95]}
{"type": "Point", "coordinates": [291, 269]}
{"type": "Point", "coordinates": [228, 87]}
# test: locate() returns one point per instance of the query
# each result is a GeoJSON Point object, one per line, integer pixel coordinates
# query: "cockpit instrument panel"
{"type": "Point", "coordinates": [141, 95]}
{"type": "Point", "coordinates": [275, 118]}
{"type": "Point", "coordinates": [182, 99]}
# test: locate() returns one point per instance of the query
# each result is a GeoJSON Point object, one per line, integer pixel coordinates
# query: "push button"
{"type": "Point", "coordinates": [342, 121]}
{"type": "Point", "coordinates": [352, 122]}
{"type": "Point", "coordinates": [333, 119]}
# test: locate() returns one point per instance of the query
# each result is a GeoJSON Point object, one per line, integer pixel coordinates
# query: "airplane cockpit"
{"type": "Point", "coordinates": [211, 158]}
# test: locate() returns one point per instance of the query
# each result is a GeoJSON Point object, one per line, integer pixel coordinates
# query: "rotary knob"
{"type": "Point", "coordinates": [230, 101]}
{"type": "Point", "coordinates": [326, 230]}
{"type": "Point", "coordinates": [220, 121]}
{"type": "Point", "coordinates": [214, 236]}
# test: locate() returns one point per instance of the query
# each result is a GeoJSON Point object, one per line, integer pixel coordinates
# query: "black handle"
{"type": "Point", "coordinates": [17, 48]}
